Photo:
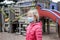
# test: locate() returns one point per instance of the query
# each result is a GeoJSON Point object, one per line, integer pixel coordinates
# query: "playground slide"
{"type": "Point", "coordinates": [57, 12]}
{"type": "Point", "coordinates": [54, 15]}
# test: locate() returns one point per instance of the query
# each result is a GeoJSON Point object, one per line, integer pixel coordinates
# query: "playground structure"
{"type": "Point", "coordinates": [51, 14]}
{"type": "Point", "coordinates": [44, 13]}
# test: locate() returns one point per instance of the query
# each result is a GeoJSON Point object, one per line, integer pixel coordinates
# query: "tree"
{"type": "Point", "coordinates": [15, 0]}
{"type": "Point", "coordinates": [2, 0]}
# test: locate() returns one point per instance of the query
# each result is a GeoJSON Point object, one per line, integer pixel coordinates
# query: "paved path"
{"type": "Point", "coordinates": [50, 37]}
{"type": "Point", "coordinates": [10, 36]}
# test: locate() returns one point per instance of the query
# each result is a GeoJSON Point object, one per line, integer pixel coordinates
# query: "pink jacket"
{"type": "Point", "coordinates": [34, 31]}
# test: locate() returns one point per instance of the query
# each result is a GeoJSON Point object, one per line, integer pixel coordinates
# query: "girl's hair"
{"type": "Point", "coordinates": [35, 14]}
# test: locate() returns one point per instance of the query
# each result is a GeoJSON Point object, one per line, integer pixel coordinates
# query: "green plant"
{"type": "Point", "coordinates": [2, 11]}
{"type": "Point", "coordinates": [13, 11]}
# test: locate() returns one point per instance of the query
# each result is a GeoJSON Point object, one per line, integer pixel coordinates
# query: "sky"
{"type": "Point", "coordinates": [55, 0]}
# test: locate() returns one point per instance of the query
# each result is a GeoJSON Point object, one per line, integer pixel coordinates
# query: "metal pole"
{"type": "Point", "coordinates": [9, 26]}
{"type": "Point", "coordinates": [19, 28]}
{"type": "Point", "coordinates": [3, 25]}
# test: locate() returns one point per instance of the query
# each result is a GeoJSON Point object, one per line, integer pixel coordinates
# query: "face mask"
{"type": "Point", "coordinates": [30, 19]}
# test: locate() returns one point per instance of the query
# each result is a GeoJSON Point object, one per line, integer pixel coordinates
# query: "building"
{"type": "Point", "coordinates": [58, 6]}
{"type": "Point", "coordinates": [45, 2]}
{"type": "Point", "coordinates": [20, 0]}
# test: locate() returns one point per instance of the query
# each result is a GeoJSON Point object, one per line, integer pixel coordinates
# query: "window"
{"type": "Point", "coordinates": [52, 6]}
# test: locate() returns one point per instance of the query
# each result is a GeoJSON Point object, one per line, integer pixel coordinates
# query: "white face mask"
{"type": "Point", "coordinates": [30, 19]}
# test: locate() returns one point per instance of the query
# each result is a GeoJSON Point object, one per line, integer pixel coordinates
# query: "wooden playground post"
{"type": "Point", "coordinates": [44, 20]}
{"type": "Point", "coordinates": [59, 31]}
{"type": "Point", "coordinates": [48, 26]}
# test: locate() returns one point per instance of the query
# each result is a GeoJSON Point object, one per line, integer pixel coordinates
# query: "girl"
{"type": "Point", "coordinates": [34, 29]}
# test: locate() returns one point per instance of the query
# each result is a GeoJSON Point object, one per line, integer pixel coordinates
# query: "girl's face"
{"type": "Point", "coordinates": [30, 17]}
